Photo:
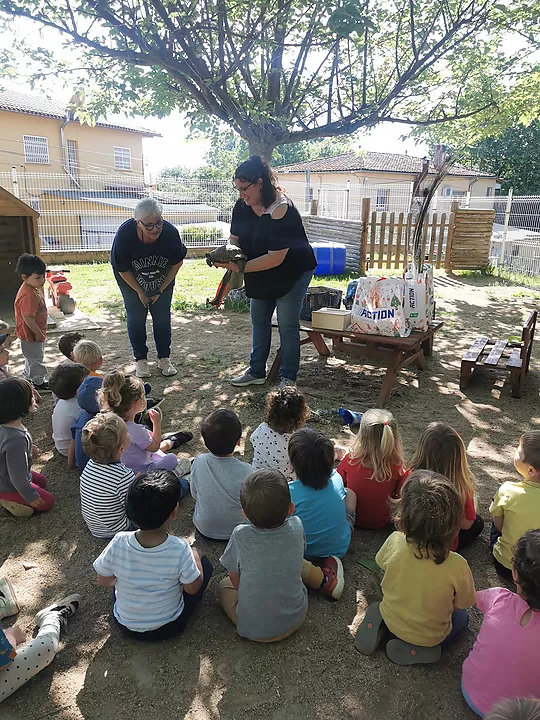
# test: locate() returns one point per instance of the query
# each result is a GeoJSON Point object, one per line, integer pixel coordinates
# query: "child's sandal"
{"type": "Point", "coordinates": [16, 509]}
{"type": "Point", "coordinates": [402, 653]}
{"type": "Point", "coordinates": [370, 632]}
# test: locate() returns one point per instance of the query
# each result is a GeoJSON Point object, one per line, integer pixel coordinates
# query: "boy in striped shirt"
{"type": "Point", "coordinates": [158, 578]}
{"type": "Point", "coordinates": [105, 480]}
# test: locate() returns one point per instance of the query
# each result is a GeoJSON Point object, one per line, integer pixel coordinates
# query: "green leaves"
{"type": "Point", "coordinates": [349, 19]}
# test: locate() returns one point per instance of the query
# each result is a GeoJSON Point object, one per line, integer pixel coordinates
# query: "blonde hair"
{"type": "Point", "coordinates": [118, 392]}
{"type": "Point", "coordinates": [518, 709]}
{"type": "Point", "coordinates": [441, 449]}
{"type": "Point", "coordinates": [102, 436]}
{"type": "Point", "coordinates": [378, 444]}
{"type": "Point", "coordinates": [87, 352]}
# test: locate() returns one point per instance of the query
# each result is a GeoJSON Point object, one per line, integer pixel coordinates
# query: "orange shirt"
{"type": "Point", "coordinates": [30, 302]}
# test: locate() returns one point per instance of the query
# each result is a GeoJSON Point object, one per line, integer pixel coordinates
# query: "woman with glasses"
{"type": "Point", "coordinates": [268, 229]}
{"type": "Point", "coordinates": [146, 255]}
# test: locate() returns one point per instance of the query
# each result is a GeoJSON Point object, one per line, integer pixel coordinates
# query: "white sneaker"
{"type": "Point", "coordinates": [8, 601]}
{"type": "Point", "coordinates": [64, 607]}
{"type": "Point", "coordinates": [166, 367]}
{"type": "Point", "coordinates": [142, 370]}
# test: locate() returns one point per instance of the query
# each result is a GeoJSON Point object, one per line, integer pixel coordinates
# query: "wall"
{"type": "Point", "coordinates": [95, 145]}
{"type": "Point", "coordinates": [361, 184]}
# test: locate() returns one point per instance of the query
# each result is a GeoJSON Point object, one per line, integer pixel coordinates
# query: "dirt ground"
{"type": "Point", "coordinates": [209, 673]}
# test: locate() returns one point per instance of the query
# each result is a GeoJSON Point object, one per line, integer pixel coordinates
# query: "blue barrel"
{"type": "Point", "coordinates": [331, 258]}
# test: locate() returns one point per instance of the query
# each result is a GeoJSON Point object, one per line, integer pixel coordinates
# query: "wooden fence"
{"type": "Point", "coordinates": [456, 240]}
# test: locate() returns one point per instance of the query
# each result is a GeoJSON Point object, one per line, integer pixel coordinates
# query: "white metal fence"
{"type": "Point", "coordinates": [84, 215]}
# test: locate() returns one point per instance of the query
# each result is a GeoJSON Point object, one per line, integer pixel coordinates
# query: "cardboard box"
{"type": "Point", "coordinates": [331, 319]}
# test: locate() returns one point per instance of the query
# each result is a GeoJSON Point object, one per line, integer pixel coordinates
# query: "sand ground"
{"type": "Point", "coordinates": [209, 673]}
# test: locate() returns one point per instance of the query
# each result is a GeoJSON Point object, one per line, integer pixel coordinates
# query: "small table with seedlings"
{"type": "Point", "coordinates": [395, 352]}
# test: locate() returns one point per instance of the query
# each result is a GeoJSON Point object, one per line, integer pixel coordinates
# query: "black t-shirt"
{"type": "Point", "coordinates": [258, 235]}
{"type": "Point", "coordinates": [149, 262]}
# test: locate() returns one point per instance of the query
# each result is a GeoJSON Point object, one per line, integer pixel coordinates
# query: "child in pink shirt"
{"type": "Point", "coordinates": [505, 658]}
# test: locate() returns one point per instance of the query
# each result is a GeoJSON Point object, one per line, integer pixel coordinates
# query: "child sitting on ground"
{"type": "Point", "coordinates": [67, 342]}
{"type": "Point", "coordinates": [505, 658]}
{"type": "Point", "coordinates": [31, 319]}
{"type": "Point", "coordinates": [64, 382]}
{"type": "Point", "coordinates": [88, 408]}
{"type": "Point", "coordinates": [325, 507]}
{"type": "Point", "coordinates": [158, 578]}
{"type": "Point", "coordinates": [516, 505]}
{"type": "Point", "coordinates": [124, 395]}
{"type": "Point", "coordinates": [373, 468]}
{"type": "Point", "coordinates": [426, 588]}
{"type": "Point", "coordinates": [442, 450]}
{"type": "Point", "coordinates": [264, 594]}
{"type": "Point", "coordinates": [286, 412]}
{"type": "Point", "coordinates": [217, 477]}
{"type": "Point", "coordinates": [105, 480]}
{"type": "Point", "coordinates": [39, 652]}
{"type": "Point", "coordinates": [21, 489]}
{"type": "Point", "coordinates": [89, 354]}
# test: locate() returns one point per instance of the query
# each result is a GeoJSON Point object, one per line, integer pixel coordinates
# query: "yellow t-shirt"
{"type": "Point", "coordinates": [419, 596]}
{"type": "Point", "coordinates": [519, 503]}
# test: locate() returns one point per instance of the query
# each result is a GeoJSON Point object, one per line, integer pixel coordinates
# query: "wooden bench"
{"type": "Point", "coordinates": [514, 357]}
{"type": "Point", "coordinates": [396, 352]}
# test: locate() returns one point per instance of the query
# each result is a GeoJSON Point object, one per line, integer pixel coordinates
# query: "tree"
{"type": "Point", "coordinates": [514, 157]}
{"type": "Point", "coordinates": [280, 71]}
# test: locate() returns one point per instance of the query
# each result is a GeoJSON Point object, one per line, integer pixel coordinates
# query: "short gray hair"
{"type": "Point", "coordinates": [519, 709]}
{"type": "Point", "coordinates": [148, 208]}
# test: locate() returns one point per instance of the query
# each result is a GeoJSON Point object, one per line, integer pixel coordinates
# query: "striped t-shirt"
{"type": "Point", "coordinates": [149, 581]}
{"type": "Point", "coordinates": [103, 497]}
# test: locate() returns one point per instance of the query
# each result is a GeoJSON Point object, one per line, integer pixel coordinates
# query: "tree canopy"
{"type": "Point", "coordinates": [281, 71]}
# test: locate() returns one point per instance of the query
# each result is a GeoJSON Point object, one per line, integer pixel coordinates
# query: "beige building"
{"type": "Point", "coordinates": [38, 135]}
{"type": "Point", "coordinates": [339, 182]}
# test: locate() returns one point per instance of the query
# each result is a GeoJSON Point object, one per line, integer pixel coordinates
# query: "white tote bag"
{"type": "Point", "coordinates": [378, 307]}
{"type": "Point", "coordinates": [419, 297]}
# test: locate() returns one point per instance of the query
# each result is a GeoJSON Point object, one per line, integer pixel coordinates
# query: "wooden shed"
{"type": "Point", "coordinates": [18, 234]}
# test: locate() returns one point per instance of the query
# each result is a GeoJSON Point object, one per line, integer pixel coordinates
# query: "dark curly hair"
{"type": "Point", "coordinates": [526, 563]}
{"type": "Point", "coordinates": [429, 513]}
{"type": "Point", "coordinates": [254, 168]}
{"type": "Point", "coordinates": [286, 410]}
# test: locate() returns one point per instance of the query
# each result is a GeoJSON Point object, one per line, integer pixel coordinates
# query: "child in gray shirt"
{"type": "Point", "coordinates": [217, 477]}
{"type": "Point", "coordinates": [265, 593]}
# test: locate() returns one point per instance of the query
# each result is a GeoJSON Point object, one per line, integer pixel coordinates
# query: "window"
{"type": "Point", "coordinates": [382, 199]}
{"type": "Point", "coordinates": [489, 192]}
{"type": "Point", "coordinates": [122, 158]}
{"type": "Point", "coordinates": [446, 191]}
{"type": "Point", "coordinates": [36, 149]}
{"type": "Point", "coordinates": [73, 166]}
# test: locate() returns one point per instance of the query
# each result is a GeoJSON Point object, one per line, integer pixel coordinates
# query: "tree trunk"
{"type": "Point", "coordinates": [262, 148]}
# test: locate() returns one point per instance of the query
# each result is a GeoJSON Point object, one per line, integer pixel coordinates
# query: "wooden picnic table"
{"type": "Point", "coordinates": [395, 352]}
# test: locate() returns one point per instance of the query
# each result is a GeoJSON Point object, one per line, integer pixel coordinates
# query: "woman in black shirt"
{"type": "Point", "coordinates": [268, 229]}
{"type": "Point", "coordinates": [146, 255]}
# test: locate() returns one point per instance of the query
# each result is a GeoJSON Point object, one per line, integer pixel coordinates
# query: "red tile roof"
{"type": "Point", "coordinates": [17, 102]}
{"type": "Point", "coordinates": [372, 162]}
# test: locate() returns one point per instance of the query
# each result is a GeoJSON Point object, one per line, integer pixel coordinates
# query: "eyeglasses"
{"type": "Point", "coordinates": [151, 226]}
{"type": "Point", "coordinates": [243, 190]}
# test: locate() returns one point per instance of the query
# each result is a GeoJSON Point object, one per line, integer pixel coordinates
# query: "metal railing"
{"type": "Point", "coordinates": [85, 214]}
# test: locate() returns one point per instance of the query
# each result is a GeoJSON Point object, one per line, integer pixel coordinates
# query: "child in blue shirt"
{"type": "Point", "coordinates": [87, 399]}
{"type": "Point", "coordinates": [326, 508]}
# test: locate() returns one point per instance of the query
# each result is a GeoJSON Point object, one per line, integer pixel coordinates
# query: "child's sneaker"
{"type": "Point", "coordinates": [42, 387]}
{"type": "Point", "coordinates": [64, 607]}
{"type": "Point", "coordinates": [333, 577]}
{"type": "Point", "coordinates": [8, 601]}
{"type": "Point", "coordinates": [403, 653]}
{"type": "Point", "coordinates": [370, 632]}
{"type": "Point", "coordinates": [17, 509]}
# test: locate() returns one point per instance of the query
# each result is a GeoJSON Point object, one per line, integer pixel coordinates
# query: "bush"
{"type": "Point", "coordinates": [201, 235]}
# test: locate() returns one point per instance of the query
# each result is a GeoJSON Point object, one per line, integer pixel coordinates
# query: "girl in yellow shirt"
{"type": "Point", "coordinates": [426, 587]}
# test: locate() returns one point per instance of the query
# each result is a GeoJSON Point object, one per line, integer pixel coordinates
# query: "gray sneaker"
{"type": "Point", "coordinates": [247, 379]}
{"type": "Point", "coordinates": [287, 382]}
